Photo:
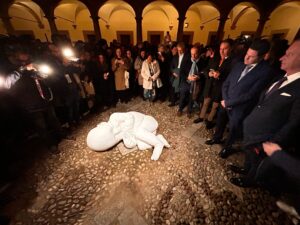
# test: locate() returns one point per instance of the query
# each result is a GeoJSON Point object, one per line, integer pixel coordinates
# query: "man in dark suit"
{"type": "Point", "coordinates": [276, 117]}
{"type": "Point", "coordinates": [177, 61]}
{"type": "Point", "coordinates": [279, 173]}
{"type": "Point", "coordinates": [216, 73]}
{"type": "Point", "coordinates": [190, 81]}
{"type": "Point", "coordinates": [240, 93]}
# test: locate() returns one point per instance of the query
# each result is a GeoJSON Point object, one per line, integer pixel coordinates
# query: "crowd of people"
{"type": "Point", "coordinates": [250, 87]}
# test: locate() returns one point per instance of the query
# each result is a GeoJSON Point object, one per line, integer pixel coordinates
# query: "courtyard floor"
{"type": "Point", "coordinates": [187, 185]}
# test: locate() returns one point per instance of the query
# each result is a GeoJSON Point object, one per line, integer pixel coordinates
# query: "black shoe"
{"type": "Point", "coordinates": [171, 104]}
{"type": "Point", "coordinates": [210, 125]}
{"type": "Point", "coordinates": [225, 152]}
{"type": "Point", "coordinates": [213, 141]}
{"type": "Point", "coordinates": [237, 169]}
{"type": "Point", "coordinates": [241, 182]}
{"type": "Point", "coordinates": [198, 120]}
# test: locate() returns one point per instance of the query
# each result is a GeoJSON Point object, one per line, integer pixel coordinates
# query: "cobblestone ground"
{"type": "Point", "coordinates": [188, 185]}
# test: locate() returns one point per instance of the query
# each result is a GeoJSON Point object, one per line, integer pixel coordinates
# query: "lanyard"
{"type": "Point", "coordinates": [38, 85]}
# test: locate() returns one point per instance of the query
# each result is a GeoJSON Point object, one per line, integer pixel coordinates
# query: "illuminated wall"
{"type": "Point", "coordinates": [74, 18]}
{"type": "Point", "coordinates": [246, 21]}
{"type": "Point", "coordinates": [159, 16]}
{"type": "Point", "coordinates": [284, 19]}
{"type": "Point", "coordinates": [24, 22]}
{"type": "Point", "coordinates": [117, 20]}
{"type": "Point", "coordinates": [202, 18]}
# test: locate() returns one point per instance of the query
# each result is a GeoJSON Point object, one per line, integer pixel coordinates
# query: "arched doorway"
{"type": "Point", "coordinates": [73, 20]}
{"type": "Point", "coordinates": [27, 19]}
{"type": "Point", "coordinates": [284, 22]}
{"type": "Point", "coordinates": [158, 18]}
{"type": "Point", "coordinates": [242, 20]}
{"type": "Point", "coordinates": [201, 22]}
{"type": "Point", "coordinates": [117, 21]}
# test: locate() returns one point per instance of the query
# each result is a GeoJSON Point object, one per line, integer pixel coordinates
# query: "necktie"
{"type": "Point", "coordinates": [245, 71]}
{"type": "Point", "coordinates": [275, 87]}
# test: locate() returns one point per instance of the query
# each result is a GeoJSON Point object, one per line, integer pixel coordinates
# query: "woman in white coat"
{"type": "Point", "coordinates": [150, 73]}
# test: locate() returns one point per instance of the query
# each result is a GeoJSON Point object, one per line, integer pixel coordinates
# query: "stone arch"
{"type": "Point", "coordinates": [117, 21]}
{"type": "Point", "coordinates": [242, 19]}
{"type": "Point", "coordinates": [73, 19]}
{"type": "Point", "coordinates": [28, 18]}
{"type": "Point", "coordinates": [202, 19]}
{"type": "Point", "coordinates": [165, 15]}
{"type": "Point", "coordinates": [283, 21]}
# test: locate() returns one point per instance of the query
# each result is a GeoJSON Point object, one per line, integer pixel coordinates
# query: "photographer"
{"type": "Point", "coordinates": [27, 87]}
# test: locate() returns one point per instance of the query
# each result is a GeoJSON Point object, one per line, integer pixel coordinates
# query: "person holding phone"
{"type": "Point", "coordinates": [218, 68]}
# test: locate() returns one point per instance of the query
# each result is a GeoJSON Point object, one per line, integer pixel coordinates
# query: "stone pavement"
{"type": "Point", "coordinates": [188, 185]}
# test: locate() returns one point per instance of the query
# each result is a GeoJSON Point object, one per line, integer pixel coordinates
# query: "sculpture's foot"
{"type": "Point", "coordinates": [164, 141]}
{"type": "Point", "coordinates": [157, 152]}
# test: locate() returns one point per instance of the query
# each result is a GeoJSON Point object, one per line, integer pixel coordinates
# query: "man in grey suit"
{"type": "Point", "coordinates": [276, 117]}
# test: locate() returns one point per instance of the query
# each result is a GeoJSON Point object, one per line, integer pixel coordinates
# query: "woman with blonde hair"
{"type": "Point", "coordinates": [151, 81]}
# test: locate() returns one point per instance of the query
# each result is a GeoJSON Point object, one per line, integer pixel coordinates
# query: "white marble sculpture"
{"type": "Point", "coordinates": [133, 128]}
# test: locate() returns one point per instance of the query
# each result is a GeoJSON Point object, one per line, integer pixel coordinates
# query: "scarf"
{"type": "Point", "coordinates": [194, 70]}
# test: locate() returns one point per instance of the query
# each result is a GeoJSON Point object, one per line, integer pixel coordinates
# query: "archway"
{"type": "Point", "coordinates": [284, 22]}
{"type": "Point", "coordinates": [73, 20]}
{"type": "Point", "coordinates": [242, 20]}
{"type": "Point", "coordinates": [117, 21]}
{"type": "Point", "coordinates": [159, 17]}
{"type": "Point", "coordinates": [27, 18]}
{"type": "Point", "coordinates": [202, 21]}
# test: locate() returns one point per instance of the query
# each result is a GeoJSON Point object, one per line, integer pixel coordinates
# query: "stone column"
{"type": "Point", "coordinates": [7, 24]}
{"type": "Point", "coordinates": [220, 31]}
{"type": "Point", "coordinates": [96, 27]}
{"type": "Point", "coordinates": [180, 27]}
{"type": "Point", "coordinates": [51, 21]}
{"type": "Point", "coordinates": [261, 24]}
{"type": "Point", "coordinates": [139, 34]}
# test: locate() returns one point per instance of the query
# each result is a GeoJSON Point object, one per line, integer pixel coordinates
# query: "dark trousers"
{"type": "Point", "coordinates": [173, 96]}
{"type": "Point", "coordinates": [235, 126]}
{"type": "Point", "coordinates": [122, 95]}
{"type": "Point", "coordinates": [253, 158]}
{"type": "Point", "coordinates": [275, 179]}
{"type": "Point", "coordinates": [47, 126]}
{"type": "Point", "coordinates": [185, 97]}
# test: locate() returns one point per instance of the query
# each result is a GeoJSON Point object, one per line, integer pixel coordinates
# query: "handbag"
{"type": "Point", "coordinates": [159, 83]}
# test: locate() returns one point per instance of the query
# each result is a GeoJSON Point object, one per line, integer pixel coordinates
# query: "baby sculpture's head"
{"type": "Point", "coordinates": [101, 137]}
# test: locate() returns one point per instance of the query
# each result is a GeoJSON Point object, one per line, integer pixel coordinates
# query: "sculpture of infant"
{"type": "Point", "coordinates": [134, 128]}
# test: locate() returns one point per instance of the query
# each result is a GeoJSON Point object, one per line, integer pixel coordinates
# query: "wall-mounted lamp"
{"type": "Point", "coordinates": [74, 26]}
{"type": "Point", "coordinates": [171, 27]}
{"type": "Point", "coordinates": [201, 27]}
{"type": "Point", "coordinates": [107, 26]}
{"type": "Point", "coordinates": [186, 25]}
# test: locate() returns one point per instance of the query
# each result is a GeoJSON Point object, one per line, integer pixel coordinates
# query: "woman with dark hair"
{"type": "Point", "coordinates": [138, 67]}
{"type": "Point", "coordinates": [132, 83]}
{"type": "Point", "coordinates": [106, 83]}
{"type": "Point", "coordinates": [120, 65]}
